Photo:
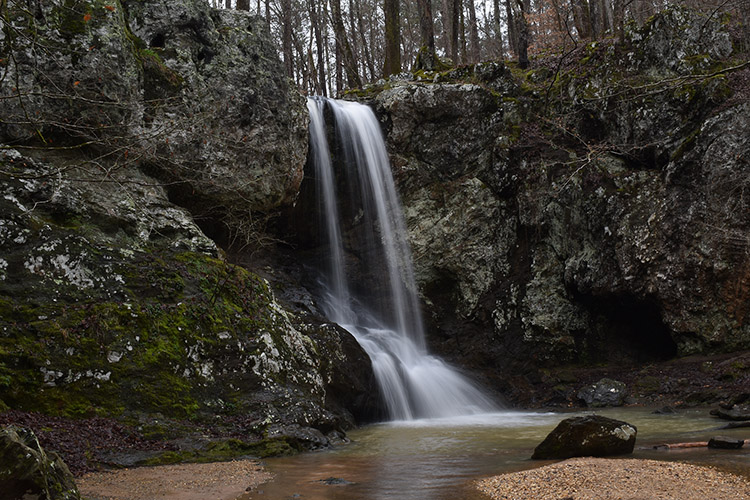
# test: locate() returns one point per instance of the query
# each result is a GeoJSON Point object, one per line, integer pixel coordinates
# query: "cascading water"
{"type": "Point", "coordinates": [414, 384]}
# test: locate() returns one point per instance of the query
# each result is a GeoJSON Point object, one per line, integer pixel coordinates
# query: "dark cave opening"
{"type": "Point", "coordinates": [624, 328]}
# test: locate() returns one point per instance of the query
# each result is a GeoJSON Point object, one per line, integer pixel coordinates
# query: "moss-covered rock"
{"type": "Point", "coordinates": [113, 302]}
{"type": "Point", "coordinates": [27, 471]}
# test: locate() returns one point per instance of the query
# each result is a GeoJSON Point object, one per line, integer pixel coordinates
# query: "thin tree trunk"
{"type": "Point", "coordinates": [316, 20]}
{"type": "Point", "coordinates": [287, 48]}
{"type": "Point", "coordinates": [581, 18]}
{"type": "Point", "coordinates": [596, 18]}
{"type": "Point", "coordinates": [462, 32]}
{"type": "Point", "coordinates": [619, 20]}
{"type": "Point", "coordinates": [344, 49]}
{"type": "Point", "coordinates": [497, 28]}
{"type": "Point", "coordinates": [474, 52]}
{"type": "Point", "coordinates": [243, 5]}
{"type": "Point", "coordinates": [523, 35]}
{"type": "Point", "coordinates": [365, 46]}
{"type": "Point", "coordinates": [228, 4]}
{"type": "Point", "coordinates": [512, 31]}
{"type": "Point", "coordinates": [392, 38]}
{"type": "Point", "coordinates": [426, 58]}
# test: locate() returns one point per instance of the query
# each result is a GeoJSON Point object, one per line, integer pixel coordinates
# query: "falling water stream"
{"type": "Point", "coordinates": [414, 384]}
{"type": "Point", "coordinates": [443, 431]}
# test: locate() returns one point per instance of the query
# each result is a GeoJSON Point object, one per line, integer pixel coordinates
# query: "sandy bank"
{"type": "Point", "coordinates": [622, 479]}
{"type": "Point", "coordinates": [214, 481]}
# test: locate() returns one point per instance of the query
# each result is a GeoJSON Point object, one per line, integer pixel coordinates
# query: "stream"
{"type": "Point", "coordinates": [438, 459]}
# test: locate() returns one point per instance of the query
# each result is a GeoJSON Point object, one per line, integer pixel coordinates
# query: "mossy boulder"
{"type": "Point", "coordinates": [113, 302]}
{"type": "Point", "coordinates": [27, 471]}
{"type": "Point", "coordinates": [590, 436]}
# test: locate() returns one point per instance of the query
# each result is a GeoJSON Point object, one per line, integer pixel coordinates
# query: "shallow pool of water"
{"type": "Point", "coordinates": [439, 459]}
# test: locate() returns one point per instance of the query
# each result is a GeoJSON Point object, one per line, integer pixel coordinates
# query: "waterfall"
{"type": "Point", "coordinates": [384, 314]}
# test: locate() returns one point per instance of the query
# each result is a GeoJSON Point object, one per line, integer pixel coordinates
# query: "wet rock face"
{"type": "Point", "coordinates": [27, 471]}
{"type": "Point", "coordinates": [591, 436]}
{"type": "Point", "coordinates": [626, 244]}
{"type": "Point", "coordinates": [196, 97]}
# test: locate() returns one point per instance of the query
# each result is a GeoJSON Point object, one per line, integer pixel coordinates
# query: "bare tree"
{"type": "Point", "coordinates": [426, 59]}
{"type": "Point", "coordinates": [474, 50]}
{"type": "Point", "coordinates": [392, 38]}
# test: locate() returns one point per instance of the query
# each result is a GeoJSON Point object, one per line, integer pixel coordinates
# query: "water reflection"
{"type": "Point", "coordinates": [438, 459]}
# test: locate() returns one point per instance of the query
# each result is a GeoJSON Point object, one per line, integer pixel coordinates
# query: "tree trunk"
{"type": "Point", "coordinates": [455, 11]}
{"type": "Point", "coordinates": [596, 16]}
{"type": "Point", "coordinates": [619, 20]}
{"type": "Point", "coordinates": [286, 37]}
{"type": "Point", "coordinates": [344, 49]}
{"type": "Point", "coordinates": [497, 28]}
{"type": "Point", "coordinates": [365, 46]}
{"type": "Point", "coordinates": [228, 4]}
{"type": "Point", "coordinates": [243, 5]}
{"type": "Point", "coordinates": [581, 18]}
{"type": "Point", "coordinates": [512, 31]}
{"type": "Point", "coordinates": [316, 21]}
{"type": "Point", "coordinates": [474, 52]}
{"type": "Point", "coordinates": [426, 58]}
{"type": "Point", "coordinates": [450, 29]}
{"type": "Point", "coordinates": [523, 35]}
{"type": "Point", "coordinates": [392, 64]}
{"type": "Point", "coordinates": [462, 32]}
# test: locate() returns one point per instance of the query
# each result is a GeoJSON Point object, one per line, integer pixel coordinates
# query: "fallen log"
{"type": "Point", "coordinates": [694, 444]}
{"type": "Point", "coordinates": [673, 446]}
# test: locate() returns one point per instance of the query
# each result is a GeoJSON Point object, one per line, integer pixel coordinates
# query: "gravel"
{"type": "Point", "coordinates": [621, 479]}
{"type": "Point", "coordinates": [212, 481]}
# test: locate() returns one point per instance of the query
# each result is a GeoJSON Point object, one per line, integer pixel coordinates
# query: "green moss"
{"type": "Point", "coordinates": [101, 356]}
{"type": "Point", "coordinates": [160, 80]}
{"type": "Point", "coordinates": [686, 145]}
{"type": "Point", "coordinates": [74, 17]}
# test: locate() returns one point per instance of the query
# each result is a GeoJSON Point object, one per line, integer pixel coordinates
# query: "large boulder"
{"type": "Point", "coordinates": [590, 436]}
{"type": "Point", "coordinates": [28, 472]}
{"type": "Point", "coordinates": [113, 301]}
{"type": "Point", "coordinates": [195, 96]}
{"type": "Point", "coordinates": [605, 392]}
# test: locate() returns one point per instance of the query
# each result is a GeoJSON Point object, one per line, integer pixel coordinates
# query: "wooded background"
{"type": "Point", "coordinates": [330, 45]}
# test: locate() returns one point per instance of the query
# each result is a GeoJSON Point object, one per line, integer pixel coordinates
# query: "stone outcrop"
{"type": "Point", "coordinates": [195, 96]}
{"type": "Point", "coordinates": [591, 436]}
{"type": "Point", "coordinates": [123, 124]}
{"type": "Point", "coordinates": [113, 300]}
{"type": "Point", "coordinates": [596, 214]}
{"type": "Point", "coordinates": [28, 472]}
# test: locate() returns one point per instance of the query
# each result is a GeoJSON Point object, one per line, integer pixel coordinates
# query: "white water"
{"type": "Point", "coordinates": [414, 384]}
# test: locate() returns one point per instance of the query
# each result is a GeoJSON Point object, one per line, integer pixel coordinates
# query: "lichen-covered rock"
{"type": "Point", "coordinates": [195, 96]}
{"type": "Point", "coordinates": [590, 436]}
{"type": "Point", "coordinates": [605, 392]}
{"type": "Point", "coordinates": [585, 216]}
{"type": "Point", "coordinates": [113, 301]}
{"type": "Point", "coordinates": [28, 472]}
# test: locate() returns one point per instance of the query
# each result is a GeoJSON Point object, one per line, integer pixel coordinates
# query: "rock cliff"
{"type": "Point", "coordinates": [592, 209]}
{"type": "Point", "coordinates": [130, 131]}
